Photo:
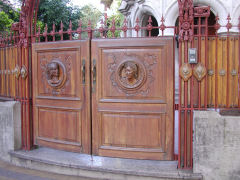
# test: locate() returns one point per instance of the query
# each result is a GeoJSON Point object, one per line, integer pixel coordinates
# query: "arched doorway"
{"type": "Point", "coordinates": [145, 22]}
{"type": "Point", "coordinates": [205, 25]}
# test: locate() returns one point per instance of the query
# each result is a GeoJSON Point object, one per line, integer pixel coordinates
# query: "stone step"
{"type": "Point", "coordinates": [96, 167]}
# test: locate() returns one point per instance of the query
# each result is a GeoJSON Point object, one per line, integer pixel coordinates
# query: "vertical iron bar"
{"type": "Point", "coordinates": [239, 62]}
{"type": "Point", "coordinates": [227, 96]}
{"type": "Point", "coordinates": [199, 59]}
{"type": "Point", "coordinates": [191, 104]}
{"type": "Point", "coordinates": [61, 31]}
{"type": "Point", "coordinates": [5, 67]}
{"type": "Point", "coordinates": [180, 106]}
{"type": "Point", "coordinates": [28, 99]}
{"type": "Point", "coordinates": [206, 61]}
{"type": "Point", "coordinates": [216, 71]}
{"type": "Point", "coordinates": [36, 12]}
{"type": "Point", "coordinates": [24, 101]}
{"type": "Point", "coordinates": [185, 106]}
{"type": "Point", "coordinates": [174, 93]}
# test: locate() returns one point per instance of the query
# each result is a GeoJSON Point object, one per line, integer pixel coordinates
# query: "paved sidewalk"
{"type": "Point", "coordinates": [10, 172]}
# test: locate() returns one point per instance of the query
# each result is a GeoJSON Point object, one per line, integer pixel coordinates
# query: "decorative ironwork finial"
{"type": "Point", "coordinates": [229, 25]}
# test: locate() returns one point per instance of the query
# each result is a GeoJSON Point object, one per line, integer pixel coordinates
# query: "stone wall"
{"type": "Point", "coordinates": [216, 146]}
{"type": "Point", "coordinates": [10, 128]}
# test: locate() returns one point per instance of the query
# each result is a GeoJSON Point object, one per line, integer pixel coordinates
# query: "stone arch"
{"type": "Point", "coordinates": [235, 16]}
{"type": "Point", "coordinates": [236, 11]}
{"type": "Point", "coordinates": [171, 15]}
{"type": "Point", "coordinates": [217, 7]}
{"type": "Point", "coordinates": [142, 13]}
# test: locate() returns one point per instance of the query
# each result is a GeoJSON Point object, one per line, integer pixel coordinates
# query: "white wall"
{"type": "Point", "coordinates": [169, 9]}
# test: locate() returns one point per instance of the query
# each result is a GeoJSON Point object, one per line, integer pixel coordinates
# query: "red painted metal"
{"type": "Point", "coordinates": [125, 27]}
{"type": "Point", "coordinates": [179, 110]}
{"type": "Point", "coordinates": [217, 27]}
{"type": "Point", "coordinates": [137, 27]}
{"type": "Point", "coordinates": [239, 61]}
{"type": "Point", "coordinates": [149, 26]}
{"type": "Point", "coordinates": [206, 56]}
{"type": "Point", "coordinates": [61, 31]}
{"type": "Point", "coordinates": [199, 59]}
{"type": "Point", "coordinates": [229, 26]}
{"type": "Point", "coordinates": [162, 26]}
{"type": "Point", "coordinates": [70, 30]}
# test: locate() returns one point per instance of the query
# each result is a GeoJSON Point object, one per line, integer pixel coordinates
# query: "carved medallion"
{"type": "Point", "coordinates": [234, 72]}
{"type": "Point", "coordinates": [185, 71]}
{"type": "Point", "coordinates": [23, 72]}
{"type": "Point", "coordinates": [132, 74]}
{"type": "Point", "coordinates": [199, 71]}
{"type": "Point", "coordinates": [210, 72]}
{"type": "Point", "coordinates": [222, 72]}
{"type": "Point", "coordinates": [16, 71]}
{"type": "Point", "coordinates": [55, 73]}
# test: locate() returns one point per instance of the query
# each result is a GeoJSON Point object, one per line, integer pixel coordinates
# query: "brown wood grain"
{"type": "Point", "coordinates": [211, 69]}
{"type": "Point", "coordinates": [220, 67]}
{"type": "Point", "coordinates": [62, 114]}
{"type": "Point", "coordinates": [128, 123]}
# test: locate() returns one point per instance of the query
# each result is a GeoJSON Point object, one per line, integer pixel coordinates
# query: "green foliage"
{"type": "Point", "coordinates": [8, 15]}
{"type": "Point", "coordinates": [55, 11]}
{"type": "Point", "coordinates": [90, 13]}
{"type": "Point", "coordinates": [119, 19]}
{"type": "Point", "coordinates": [5, 22]}
{"type": "Point", "coordinates": [117, 16]}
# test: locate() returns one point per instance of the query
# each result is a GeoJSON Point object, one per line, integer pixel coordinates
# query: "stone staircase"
{"type": "Point", "coordinates": [99, 168]}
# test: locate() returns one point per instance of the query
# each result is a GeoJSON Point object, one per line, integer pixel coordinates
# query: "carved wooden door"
{"type": "Point", "coordinates": [132, 98]}
{"type": "Point", "coordinates": [61, 97]}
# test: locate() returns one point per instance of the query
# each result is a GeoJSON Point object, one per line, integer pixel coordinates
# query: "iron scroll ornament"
{"type": "Point", "coordinates": [56, 73]}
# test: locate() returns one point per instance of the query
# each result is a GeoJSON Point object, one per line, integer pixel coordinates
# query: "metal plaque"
{"type": "Point", "coordinates": [192, 55]}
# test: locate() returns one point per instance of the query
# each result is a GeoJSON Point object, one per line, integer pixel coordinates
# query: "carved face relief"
{"type": "Point", "coordinates": [132, 74]}
{"type": "Point", "coordinates": [129, 74]}
{"type": "Point", "coordinates": [55, 73]}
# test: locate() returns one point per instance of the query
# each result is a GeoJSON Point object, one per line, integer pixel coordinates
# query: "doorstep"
{"type": "Point", "coordinates": [98, 167]}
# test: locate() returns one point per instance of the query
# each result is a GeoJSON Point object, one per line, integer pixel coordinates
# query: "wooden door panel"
{"type": "Point", "coordinates": [133, 98]}
{"type": "Point", "coordinates": [68, 59]}
{"type": "Point", "coordinates": [60, 98]}
{"type": "Point", "coordinates": [133, 131]}
{"type": "Point", "coordinates": [146, 57]}
{"type": "Point", "coordinates": [59, 124]}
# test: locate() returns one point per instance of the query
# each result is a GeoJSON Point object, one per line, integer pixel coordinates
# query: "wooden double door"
{"type": "Point", "coordinates": [107, 97]}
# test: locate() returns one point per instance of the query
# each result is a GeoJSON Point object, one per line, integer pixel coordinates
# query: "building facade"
{"type": "Point", "coordinates": [142, 9]}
